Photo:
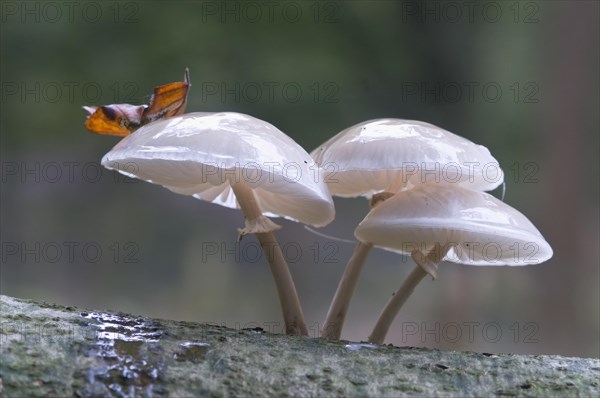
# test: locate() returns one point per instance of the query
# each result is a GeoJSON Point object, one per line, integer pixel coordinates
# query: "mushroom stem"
{"type": "Point", "coordinates": [332, 329]}
{"type": "Point", "coordinates": [426, 265]}
{"type": "Point", "coordinates": [336, 315]}
{"type": "Point", "coordinates": [288, 297]}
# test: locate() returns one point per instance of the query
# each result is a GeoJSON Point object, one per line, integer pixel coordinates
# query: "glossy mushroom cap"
{"type": "Point", "coordinates": [389, 154]}
{"type": "Point", "coordinates": [480, 229]}
{"type": "Point", "coordinates": [201, 154]}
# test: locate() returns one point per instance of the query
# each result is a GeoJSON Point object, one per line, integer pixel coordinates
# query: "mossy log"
{"type": "Point", "coordinates": [50, 350]}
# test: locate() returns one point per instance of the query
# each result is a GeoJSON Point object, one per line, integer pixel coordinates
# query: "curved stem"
{"type": "Point", "coordinates": [393, 306]}
{"type": "Point", "coordinates": [425, 265]}
{"type": "Point", "coordinates": [336, 315]}
{"type": "Point", "coordinates": [341, 301]}
{"type": "Point", "coordinates": [288, 297]}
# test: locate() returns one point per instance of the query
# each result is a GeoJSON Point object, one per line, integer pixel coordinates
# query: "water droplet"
{"type": "Point", "coordinates": [360, 346]}
{"type": "Point", "coordinates": [191, 351]}
{"type": "Point", "coordinates": [130, 363]}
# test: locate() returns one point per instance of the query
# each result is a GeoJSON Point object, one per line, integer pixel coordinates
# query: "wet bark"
{"type": "Point", "coordinates": [49, 350]}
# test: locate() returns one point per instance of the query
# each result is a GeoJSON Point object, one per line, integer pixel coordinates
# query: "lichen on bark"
{"type": "Point", "coordinates": [50, 350]}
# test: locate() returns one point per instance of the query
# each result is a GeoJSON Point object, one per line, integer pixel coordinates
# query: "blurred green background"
{"type": "Point", "coordinates": [518, 77]}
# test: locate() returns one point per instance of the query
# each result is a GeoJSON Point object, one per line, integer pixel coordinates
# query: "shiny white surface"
{"type": "Point", "coordinates": [482, 229]}
{"type": "Point", "coordinates": [389, 154]}
{"type": "Point", "coordinates": [200, 153]}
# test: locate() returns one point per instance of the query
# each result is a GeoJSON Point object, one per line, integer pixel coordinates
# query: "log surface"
{"type": "Point", "coordinates": [51, 350]}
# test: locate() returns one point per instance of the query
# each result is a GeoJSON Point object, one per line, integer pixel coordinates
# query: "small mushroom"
{"type": "Point", "coordinates": [237, 161]}
{"type": "Point", "coordinates": [435, 222]}
{"type": "Point", "coordinates": [379, 158]}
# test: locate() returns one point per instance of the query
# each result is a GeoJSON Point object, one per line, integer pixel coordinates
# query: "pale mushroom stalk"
{"type": "Point", "coordinates": [336, 315]}
{"type": "Point", "coordinates": [341, 301]}
{"type": "Point", "coordinates": [426, 265]}
{"type": "Point", "coordinates": [288, 297]}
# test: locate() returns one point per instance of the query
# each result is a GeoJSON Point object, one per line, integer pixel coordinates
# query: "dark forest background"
{"type": "Point", "coordinates": [518, 77]}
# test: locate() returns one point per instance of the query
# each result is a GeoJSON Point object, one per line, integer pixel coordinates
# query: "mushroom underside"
{"type": "Point", "coordinates": [367, 182]}
{"type": "Point", "coordinates": [277, 195]}
{"type": "Point", "coordinates": [472, 244]}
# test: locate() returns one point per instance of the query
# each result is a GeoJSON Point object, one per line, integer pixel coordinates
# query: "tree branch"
{"type": "Point", "coordinates": [49, 350]}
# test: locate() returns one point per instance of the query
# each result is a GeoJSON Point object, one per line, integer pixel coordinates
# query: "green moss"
{"type": "Point", "coordinates": [67, 352]}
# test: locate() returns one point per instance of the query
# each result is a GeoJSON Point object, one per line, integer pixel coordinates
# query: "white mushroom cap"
{"type": "Point", "coordinates": [480, 229]}
{"type": "Point", "coordinates": [389, 154]}
{"type": "Point", "coordinates": [200, 154]}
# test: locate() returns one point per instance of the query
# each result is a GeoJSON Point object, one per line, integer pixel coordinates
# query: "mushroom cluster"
{"type": "Point", "coordinates": [382, 158]}
{"type": "Point", "coordinates": [425, 187]}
